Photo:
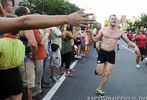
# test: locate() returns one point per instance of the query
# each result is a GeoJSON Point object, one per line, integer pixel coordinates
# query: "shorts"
{"type": "Point", "coordinates": [104, 56]}
{"type": "Point", "coordinates": [28, 74]}
{"type": "Point", "coordinates": [10, 83]}
{"type": "Point", "coordinates": [143, 51]}
{"type": "Point", "coordinates": [78, 41]}
{"type": "Point", "coordinates": [66, 59]}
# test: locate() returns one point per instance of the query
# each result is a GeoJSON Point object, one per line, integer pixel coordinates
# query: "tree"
{"type": "Point", "coordinates": [106, 23]}
{"type": "Point", "coordinates": [51, 7]}
{"type": "Point", "coordinates": [134, 27]}
{"type": "Point", "coordinates": [143, 19]}
{"type": "Point", "coordinates": [130, 27]}
{"type": "Point", "coordinates": [95, 25]}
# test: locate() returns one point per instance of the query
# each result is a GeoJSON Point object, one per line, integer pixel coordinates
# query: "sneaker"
{"type": "Point", "coordinates": [100, 92]}
{"type": "Point", "coordinates": [58, 76]}
{"type": "Point", "coordinates": [71, 70]}
{"type": "Point", "coordinates": [45, 85]}
{"type": "Point", "coordinates": [145, 58]}
{"type": "Point", "coordinates": [137, 66]}
{"type": "Point", "coordinates": [76, 56]}
{"type": "Point", "coordinates": [79, 57]}
{"type": "Point", "coordinates": [35, 93]}
{"type": "Point", "coordinates": [53, 79]}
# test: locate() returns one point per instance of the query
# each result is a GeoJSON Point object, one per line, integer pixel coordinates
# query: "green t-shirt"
{"type": "Point", "coordinates": [66, 46]}
{"type": "Point", "coordinates": [12, 53]}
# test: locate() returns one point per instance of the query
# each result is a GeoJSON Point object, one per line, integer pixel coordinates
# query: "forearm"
{"type": "Point", "coordinates": [131, 44]}
{"type": "Point", "coordinates": [63, 35]}
{"type": "Point", "coordinates": [31, 22]}
{"type": "Point", "coordinates": [93, 38]}
{"type": "Point", "coordinates": [10, 24]}
{"type": "Point", "coordinates": [43, 21]}
{"type": "Point", "coordinates": [44, 39]}
{"type": "Point", "coordinates": [70, 35]}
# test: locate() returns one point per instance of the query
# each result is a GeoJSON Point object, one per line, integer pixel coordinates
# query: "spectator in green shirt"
{"type": "Point", "coordinates": [12, 53]}
{"type": "Point", "coordinates": [66, 51]}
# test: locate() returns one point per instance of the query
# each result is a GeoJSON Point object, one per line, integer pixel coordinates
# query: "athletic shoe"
{"type": "Point", "coordinates": [53, 79]}
{"type": "Point", "coordinates": [100, 92]}
{"type": "Point", "coordinates": [137, 66]}
{"type": "Point", "coordinates": [145, 58]}
{"type": "Point", "coordinates": [35, 93]}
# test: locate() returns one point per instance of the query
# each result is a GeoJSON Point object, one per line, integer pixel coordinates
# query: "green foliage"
{"type": "Point", "coordinates": [95, 25]}
{"type": "Point", "coordinates": [106, 23]}
{"type": "Point", "coordinates": [51, 7]}
{"type": "Point", "coordinates": [136, 25]}
{"type": "Point", "coordinates": [143, 19]}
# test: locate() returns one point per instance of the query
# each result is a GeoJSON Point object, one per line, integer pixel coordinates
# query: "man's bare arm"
{"type": "Point", "coordinates": [31, 38]}
{"type": "Point", "coordinates": [45, 38]}
{"type": "Point", "coordinates": [130, 43]}
{"type": "Point", "coordinates": [97, 37]}
{"type": "Point", "coordinates": [42, 21]}
{"type": "Point", "coordinates": [32, 41]}
{"type": "Point", "coordinates": [70, 35]}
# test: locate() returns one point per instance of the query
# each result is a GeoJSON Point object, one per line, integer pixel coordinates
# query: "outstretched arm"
{"type": "Point", "coordinates": [130, 43]}
{"type": "Point", "coordinates": [95, 38]}
{"type": "Point", "coordinates": [42, 21]}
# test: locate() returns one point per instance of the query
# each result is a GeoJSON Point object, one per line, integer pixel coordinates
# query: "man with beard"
{"type": "Point", "coordinates": [109, 37]}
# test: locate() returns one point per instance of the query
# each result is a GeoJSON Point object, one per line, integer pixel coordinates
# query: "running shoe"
{"type": "Point", "coordinates": [100, 92]}
{"type": "Point", "coordinates": [138, 66]}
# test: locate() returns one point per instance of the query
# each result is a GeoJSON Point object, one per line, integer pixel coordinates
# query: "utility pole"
{"type": "Point", "coordinates": [42, 6]}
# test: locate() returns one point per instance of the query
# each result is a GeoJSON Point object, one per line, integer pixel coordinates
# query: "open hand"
{"type": "Point", "coordinates": [79, 18]}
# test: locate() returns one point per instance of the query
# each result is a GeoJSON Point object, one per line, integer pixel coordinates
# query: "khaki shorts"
{"type": "Point", "coordinates": [28, 74]}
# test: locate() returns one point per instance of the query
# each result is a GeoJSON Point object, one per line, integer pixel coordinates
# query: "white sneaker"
{"type": "Point", "coordinates": [79, 57]}
{"type": "Point", "coordinates": [137, 66]}
{"type": "Point", "coordinates": [35, 93]}
{"type": "Point", "coordinates": [145, 58]}
{"type": "Point", "coordinates": [76, 56]}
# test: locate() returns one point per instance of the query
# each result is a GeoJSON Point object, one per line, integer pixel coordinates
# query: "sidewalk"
{"type": "Point", "coordinates": [51, 83]}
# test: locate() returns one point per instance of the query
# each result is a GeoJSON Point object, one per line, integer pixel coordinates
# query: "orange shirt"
{"type": "Point", "coordinates": [41, 54]}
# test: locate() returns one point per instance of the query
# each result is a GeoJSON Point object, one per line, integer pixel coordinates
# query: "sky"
{"type": "Point", "coordinates": [104, 8]}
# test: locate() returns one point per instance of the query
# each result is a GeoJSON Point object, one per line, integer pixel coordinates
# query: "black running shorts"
{"type": "Point", "coordinates": [104, 56]}
{"type": "Point", "coordinates": [78, 41]}
{"type": "Point", "coordinates": [10, 83]}
{"type": "Point", "coordinates": [143, 51]}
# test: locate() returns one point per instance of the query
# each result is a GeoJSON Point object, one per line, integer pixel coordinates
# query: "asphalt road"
{"type": "Point", "coordinates": [126, 81]}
